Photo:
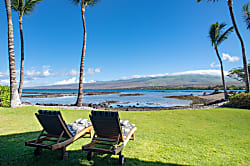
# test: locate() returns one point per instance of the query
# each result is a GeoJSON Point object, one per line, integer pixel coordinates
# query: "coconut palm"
{"type": "Point", "coordinates": [230, 6]}
{"type": "Point", "coordinates": [246, 13]}
{"type": "Point", "coordinates": [23, 7]}
{"type": "Point", "coordinates": [217, 37]}
{"type": "Point", "coordinates": [14, 98]}
{"type": "Point", "coordinates": [238, 73]}
{"type": "Point", "coordinates": [83, 4]}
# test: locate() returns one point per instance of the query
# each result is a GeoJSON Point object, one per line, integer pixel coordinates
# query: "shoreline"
{"type": "Point", "coordinates": [220, 104]}
{"type": "Point", "coordinates": [198, 102]}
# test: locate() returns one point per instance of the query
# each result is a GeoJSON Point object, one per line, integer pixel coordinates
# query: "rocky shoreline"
{"type": "Point", "coordinates": [204, 99]}
{"type": "Point", "coordinates": [198, 102]}
{"type": "Point", "coordinates": [96, 107]}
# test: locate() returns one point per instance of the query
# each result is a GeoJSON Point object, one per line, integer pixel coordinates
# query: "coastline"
{"type": "Point", "coordinates": [133, 108]}
{"type": "Point", "coordinates": [198, 102]}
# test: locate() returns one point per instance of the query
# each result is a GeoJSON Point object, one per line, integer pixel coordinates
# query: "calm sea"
{"type": "Point", "coordinates": [149, 98]}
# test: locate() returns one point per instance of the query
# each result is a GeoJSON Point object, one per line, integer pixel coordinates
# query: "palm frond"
{"type": "Point", "coordinates": [17, 5]}
{"type": "Point", "coordinates": [219, 28]}
{"type": "Point", "coordinates": [76, 2]}
{"type": "Point", "coordinates": [14, 4]}
{"type": "Point", "coordinates": [215, 33]}
{"type": "Point", "coordinates": [90, 2]}
{"type": "Point", "coordinates": [222, 26]}
{"type": "Point", "coordinates": [24, 6]}
{"type": "Point", "coordinates": [212, 34]}
{"type": "Point", "coordinates": [225, 35]}
{"type": "Point", "coordinates": [86, 2]}
{"type": "Point", "coordinates": [246, 15]}
{"type": "Point", "coordinates": [30, 5]}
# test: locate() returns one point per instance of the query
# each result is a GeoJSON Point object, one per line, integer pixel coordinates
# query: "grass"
{"type": "Point", "coordinates": [179, 137]}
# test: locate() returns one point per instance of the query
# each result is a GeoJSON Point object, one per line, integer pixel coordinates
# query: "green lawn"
{"type": "Point", "coordinates": [179, 137]}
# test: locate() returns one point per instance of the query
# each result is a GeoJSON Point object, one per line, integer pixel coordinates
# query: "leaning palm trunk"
{"type": "Point", "coordinates": [230, 5]}
{"type": "Point", "coordinates": [14, 98]}
{"type": "Point", "coordinates": [222, 73]}
{"type": "Point", "coordinates": [20, 89]}
{"type": "Point", "coordinates": [80, 89]}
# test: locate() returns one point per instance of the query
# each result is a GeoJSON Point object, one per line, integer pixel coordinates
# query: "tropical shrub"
{"type": "Point", "coordinates": [240, 100]}
{"type": "Point", "coordinates": [4, 96]}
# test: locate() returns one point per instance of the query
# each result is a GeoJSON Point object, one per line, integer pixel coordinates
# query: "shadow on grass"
{"type": "Point", "coordinates": [14, 152]}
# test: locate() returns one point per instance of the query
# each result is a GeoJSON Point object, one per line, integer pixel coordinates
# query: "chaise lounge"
{"type": "Point", "coordinates": [55, 130]}
{"type": "Point", "coordinates": [111, 134]}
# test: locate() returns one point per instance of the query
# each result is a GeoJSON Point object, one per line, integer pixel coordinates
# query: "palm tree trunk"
{"type": "Point", "coordinates": [222, 73]}
{"type": "Point", "coordinates": [20, 89]}
{"type": "Point", "coordinates": [80, 89]}
{"type": "Point", "coordinates": [14, 98]}
{"type": "Point", "coordinates": [230, 5]}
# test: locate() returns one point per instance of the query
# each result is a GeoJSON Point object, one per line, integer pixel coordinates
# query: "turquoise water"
{"type": "Point", "coordinates": [150, 98]}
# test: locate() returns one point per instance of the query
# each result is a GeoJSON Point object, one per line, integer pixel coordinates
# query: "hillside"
{"type": "Point", "coordinates": [169, 81]}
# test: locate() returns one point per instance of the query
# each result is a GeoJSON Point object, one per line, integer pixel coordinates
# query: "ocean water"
{"type": "Point", "coordinates": [149, 98]}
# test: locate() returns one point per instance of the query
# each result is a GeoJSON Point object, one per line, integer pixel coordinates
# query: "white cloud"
{"type": "Point", "coordinates": [72, 81]}
{"type": "Point", "coordinates": [213, 65]}
{"type": "Point", "coordinates": [72, 72]}
{"type": "Point", "coordinates": [97, 70]}
{"type": "Point", "coordinates": [91, 81]}
{"type": "Point", "coordinates": [46, 71]}
{"type": "Point", "coordinates": [32, 73]}
{"type": "Point", "coordinates": [4, 82]}
{"type": "Point", "coordinates": [229, 58]}
{"type": "Point", "coordinates": [200, 72]}
{"type": "Point", "coordinates": [46, 66]}
{"type": "Point", "coordinates": [69, 81]}
{"type": "Point", "coordinates": [93, 71]}
{"type": "Point", "coordinates": [26, 82]}
{"type": "Point", "coordinates": [144, 76]}
{"type": "Point", "coordinates": [4, 74]}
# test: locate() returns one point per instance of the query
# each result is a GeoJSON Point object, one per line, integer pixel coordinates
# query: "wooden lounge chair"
{"type": "Point", "coordinates": [108, 134]}
{"type": "Point", "coordinates": [55, 130]}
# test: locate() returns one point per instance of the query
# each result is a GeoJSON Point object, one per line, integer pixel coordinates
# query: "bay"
{"type": "Point", "coordinates": [148, 98]}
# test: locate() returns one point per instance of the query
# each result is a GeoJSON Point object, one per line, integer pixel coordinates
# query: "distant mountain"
{"type": "Point", "coordinates": [166, 81]}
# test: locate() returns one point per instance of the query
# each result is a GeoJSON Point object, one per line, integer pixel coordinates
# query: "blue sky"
{"type": "Point", "coordinates": [125, 39]}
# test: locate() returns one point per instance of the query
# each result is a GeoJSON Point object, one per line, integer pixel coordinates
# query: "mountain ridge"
{"type": "Point", "coordinates": [192, 80]}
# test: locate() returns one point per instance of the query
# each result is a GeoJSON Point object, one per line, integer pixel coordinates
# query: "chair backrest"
{"type": "Point", "coordinates": [106, 124]}
{"type": "Point", "coordinates": [53, 123]}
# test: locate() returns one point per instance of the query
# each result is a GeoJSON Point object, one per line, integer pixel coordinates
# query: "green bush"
{"type": "Point", "coordinates": [240, 100]}
{"type": "Point", "coordinates": [4, 96]}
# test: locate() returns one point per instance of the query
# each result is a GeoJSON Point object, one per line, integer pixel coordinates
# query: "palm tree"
{"type": "Point", "coordinates": [23, 7]}
{"type": "Point", "coordinates": [14, 98]}
{"type": "Point", "coordinates": [246, 12]}
{"type": "Point", "coordinates": [83, 4]}
{"type": "Point", "coordinates": [230, 6]}
{"type": "Point", "coordinates": [217, 37]}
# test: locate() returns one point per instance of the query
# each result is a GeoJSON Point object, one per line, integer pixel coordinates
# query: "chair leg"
{"type": "Point", "coordinates": [37, 151]}
{"type": "Point", "coordinates": [133, 136]}
{"type": "Point", "coordinates": [121, 158]}
{"type": "Point", "coordinates": [90, 155]}
{"type": "Point", "coordinates": [65, 154]}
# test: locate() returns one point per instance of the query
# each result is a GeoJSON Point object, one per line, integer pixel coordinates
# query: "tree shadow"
{"type": "Point", "coordinates": [104, 159]}
{"type": "Point", "coordinates": [14, 152]}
